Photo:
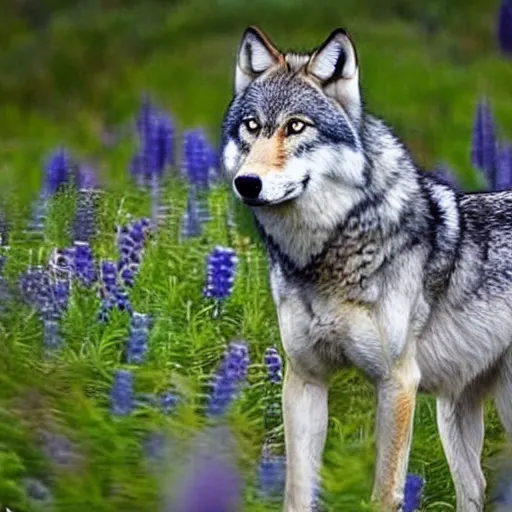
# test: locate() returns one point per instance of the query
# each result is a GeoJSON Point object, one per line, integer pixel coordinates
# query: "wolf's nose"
{"type": "Point", "coordinates": [249, 186]}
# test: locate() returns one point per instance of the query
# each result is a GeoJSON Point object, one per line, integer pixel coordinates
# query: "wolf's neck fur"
{"type": "Point", "coordinates": [303, 229]}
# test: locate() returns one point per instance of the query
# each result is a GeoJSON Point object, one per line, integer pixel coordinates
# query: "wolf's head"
{"type": "Point", "coordinates": [292, 128]}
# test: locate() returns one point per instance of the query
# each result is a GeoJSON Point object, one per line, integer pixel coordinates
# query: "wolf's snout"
{"type": "Point", "coordinates": [249, 186]}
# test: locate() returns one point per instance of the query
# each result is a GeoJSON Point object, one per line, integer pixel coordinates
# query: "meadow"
{"type": "Point", "coordinates": [135, 371]}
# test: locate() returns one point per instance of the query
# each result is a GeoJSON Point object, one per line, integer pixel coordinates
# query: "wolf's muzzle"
{"type": "Point", "coordinates": [248, 186]}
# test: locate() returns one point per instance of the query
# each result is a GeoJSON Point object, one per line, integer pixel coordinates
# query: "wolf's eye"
{"type": "Point", "coordinates": [252, 125]}
{"type": "Point", "coordinates": [295, 126]}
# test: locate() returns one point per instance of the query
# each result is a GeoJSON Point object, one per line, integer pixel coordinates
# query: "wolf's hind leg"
{"type": "Point", "coordinates": [461, 427]}
{"type": "Point", "coordinates": [503, 392]}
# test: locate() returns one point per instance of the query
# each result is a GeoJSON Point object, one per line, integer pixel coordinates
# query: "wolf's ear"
{"type": "Point", "coordinates": [255, 56]}
{"type": "Point", "coordinates": [335, 65]}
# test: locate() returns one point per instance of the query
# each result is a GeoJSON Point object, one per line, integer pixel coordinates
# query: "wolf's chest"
{"type": "Point", "coordinates": [320, 332]}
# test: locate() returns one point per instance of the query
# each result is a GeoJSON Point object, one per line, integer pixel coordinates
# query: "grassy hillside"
{"type": "Point", "coordinates": [69, 73]}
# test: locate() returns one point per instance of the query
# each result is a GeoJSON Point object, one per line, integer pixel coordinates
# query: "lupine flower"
{"type": "Point", "coordinates": [190, 224]}
{"type": "Point", "coordinates": [504, 168]}
{"type": "Point", "coordinates": [274, 365]}
{"type": "Point", "coordinates": [60, 292]}
{"type": "Point", "coordinates": [501, 491]}
{"type": "Point", "coordinates": [271, 474]}
{"type": "Point", "coordinates": [502, 494]}
{"type": "Point", "coordinates": [83, 263]}
{"type": "Point", "coordinates": [51, 317]}
{"type": "Point", "coordinates": [112, 295]}
{"type": "Point", "coordinates": [196, 158]}
{"type": "Point", "coordinates": [35, 287]}
{"type": "Point", "coordinates": [156, 134]}
{"type": "Point", "coordinates": [221, 267]}
{"type": "Point", "coordinates": [37, 490]}
{"type": "Point", "coordinates": [130, 242]}
{"type": "Point", "coordinates": [86, 178]}
{"type": "Point", "coordinates": [44, 294]}
{"type": "Point", "coordinates": [84, 222]}
{"type": "Point", "coordinates": [159, 144]}
{"type": "Point", "coordinates": [228, 379]}
{"type": "Point", "coordinates": [49, 297]}
{"type": "Point", "coordinates": [138, 339]}
{"type": "Point", "coordinates": [168, 402]}
{"type": "Point", "coordinates": [58, 449]}
{"type": "Point", "coordinates": [413, 493]}
{"type": "Point", "coordinates": [505, 27]}
{"type": "Point", "coordinates": [122, 395]}
{"type": "Point", "coordinates": [211, 484]}
{"type": "Point", "coordinates": [57, 172]}
{"type": "Point", "coordinates": [483, 151]}
{"type": "Point", "coordinates": [76, 261]}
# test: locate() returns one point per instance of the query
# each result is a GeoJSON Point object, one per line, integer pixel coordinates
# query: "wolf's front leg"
{"type": "Point", "coordinates": [395, 413]}
{"type": "Point", "coordinates": [305, 422]}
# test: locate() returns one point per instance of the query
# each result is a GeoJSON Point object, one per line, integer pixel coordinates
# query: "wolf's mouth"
{"type": "Point", "coordinates": [290, 194]}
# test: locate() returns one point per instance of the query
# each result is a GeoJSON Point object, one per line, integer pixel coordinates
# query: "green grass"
{"type": "Point", "coordinates": [65, 72]}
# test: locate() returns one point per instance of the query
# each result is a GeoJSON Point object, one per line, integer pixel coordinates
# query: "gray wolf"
{"type": "Point", "coordinates": [373, 263]}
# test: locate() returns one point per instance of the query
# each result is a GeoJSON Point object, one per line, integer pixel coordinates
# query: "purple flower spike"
{"type": "Point", "coordinates": [35, 287]}
{"type": "Point", "coordinates": [112, 295]}
{"type": "Point", "coordinates": [190, 223]}
{"type": "Point", "coordinates": [196, 158]}
{"type": "Point", "coordinates": [161, 144]}
{"type": "Point", "coordinates": [83, 264]}
{"type": "Point", "coordinates": [122, 395]}
{"type": "Point", "coordinates": [168, 402]}
{"type": "Point", "coordinates": [228, 379]}
{"type": "Point", "coordinates": [505, 27]}
{"type": "Point", "coordinates": [156, 134]}
{"type": "Point", "coordinates": [37, 491]}
{"type": "Point", "coordinates": [49, 296]}
{"type": "Point", "coordinates": [130, 243]}
{"type": "Point", "coordinates": [504, 168]}
{"type": "Point", "coordinates": [211, 484]}
{"type": "Point", "coordinates": [271, 474]}
{"type": "Point", "coordinates": [84, 223]}
{"type": "Point", "coordinates": [483, 151]}
{"type": "Point", "coordinates": [86, 178]}
{"type": "Point", "coordinates": [57, 172]}
{"type": "Point", "coordinates": [138, 339]}
{"type": "Point", "coordinates": [274, 365]}
{"type": "Point", "coordinates": [59, 449]}
{"type": "Point", "coordinates": [413, 493]}
{"type": "Point", "coordinates": [221, 268]}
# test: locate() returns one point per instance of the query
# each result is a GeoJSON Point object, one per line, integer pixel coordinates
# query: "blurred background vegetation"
{"type": "Point", "coordinates": [72, 73]}
{"type": "Point", "coordinates": [69, 69]}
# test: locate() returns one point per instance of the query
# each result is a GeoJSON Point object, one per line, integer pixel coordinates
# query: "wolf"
{"type": "Point", "coordinates": [373, 263]}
